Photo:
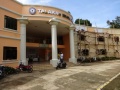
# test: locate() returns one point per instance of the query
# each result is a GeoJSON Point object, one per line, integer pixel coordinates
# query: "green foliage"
{"type": "Point", "coordinates": [108, 58]}
{"type": "Point", "coordinates": [69, 12]}
{"type": "Point", "coordinates": [83, 22]}
{"type": "Point", "coordinates": [114, 23]}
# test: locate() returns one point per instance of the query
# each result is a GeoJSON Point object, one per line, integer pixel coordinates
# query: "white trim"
{"type": "Point", "coordinates": [18, 2]}
{"type": "Point", "coordinates": [47, 17]}
{"type": "Point", "coordinates": [9, 61]}
{"type": "Point", "coordinates": [1, 36]}
{"type": "Point", "coordinates": [9, 30]}
{"type": "Point", "coordinates": [10, 11]}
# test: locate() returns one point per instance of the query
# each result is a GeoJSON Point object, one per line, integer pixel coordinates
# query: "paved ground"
{"type": "Point", "coordinates": [113, 85]}
{"type": "Point", "coordinates": [82, 77]}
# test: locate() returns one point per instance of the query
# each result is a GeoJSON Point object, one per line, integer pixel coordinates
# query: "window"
{"type": "Point", "coordinates": [85, 52]}
{"type": "Point", "coordinates": [100, 38]}
{"type": "Point", "coordinates": [10, 22]}
{"type": "Point", "coordinates": [116, 39]}
{"type": "Point", "coordinates": [82, 37]}
{"type": "Point", "coordinates": [101, 51]}
{"type": "Point", "coordinates": [9, 53]}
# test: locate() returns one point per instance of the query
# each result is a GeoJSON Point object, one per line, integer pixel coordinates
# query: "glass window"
{"type": "Point", "coordinates": [9, 53]}
{"type": "Point", "coordinates": [85, 52]}
{"type": "Point", "coordinates": [116, 38]}
{"type": "Point", "coordinates": [10, 22]}
{"type": "Point", "coordinates": [101, 51]}
{"type": "Point", "coordinates": [82, 37]}
{"type": "Point", "coordinates": [100, 38]}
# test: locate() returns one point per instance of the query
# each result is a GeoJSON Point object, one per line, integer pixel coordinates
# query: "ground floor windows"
{"type": "Point", "coordinates": [84, 52]}
{"type": "Point", "coordinates": [116, 38]}
{"type": "Point", "coordinates": [101, 51]}
{"type": "Point", "coordinates": [82, 37]}
{"type": "Point", "coordinates": [9, 53]}
{"type": "Point", "coordinates": [100, 38]}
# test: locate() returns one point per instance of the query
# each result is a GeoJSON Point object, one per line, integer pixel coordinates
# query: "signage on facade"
{"type": "Point", "coordinates": [33, 11]}
{"type": "Point", "coordinates": [48, 11]}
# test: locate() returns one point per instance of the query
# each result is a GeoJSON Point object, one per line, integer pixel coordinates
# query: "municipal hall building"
{"type": "Point", "coordinates": [41, 32]}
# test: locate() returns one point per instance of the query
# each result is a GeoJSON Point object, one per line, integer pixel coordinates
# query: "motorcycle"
{"type": "Point", "coordinates": [61, 65]}
{"type": "Point", "coordinates": [22, 67]}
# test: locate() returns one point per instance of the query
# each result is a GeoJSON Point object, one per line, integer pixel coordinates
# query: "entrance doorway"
{"type": "Point", "coordinates": [38, 54]}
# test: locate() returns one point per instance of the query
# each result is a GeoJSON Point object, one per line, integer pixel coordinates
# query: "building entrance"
{"type": "Point", "coordinates": [38, 54]}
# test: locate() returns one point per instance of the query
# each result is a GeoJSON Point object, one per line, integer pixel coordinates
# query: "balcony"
{"type": "Point", "coordinates": [43, 44]}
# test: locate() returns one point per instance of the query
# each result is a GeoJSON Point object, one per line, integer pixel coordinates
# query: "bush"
{"type": "Point", "coordinates": [109, 58]}
{"type": "Point", "coordinates": [9, 70]}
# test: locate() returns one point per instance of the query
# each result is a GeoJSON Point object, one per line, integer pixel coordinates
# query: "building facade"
{"type": "Point", "coordinates": [41, 32]}
{"type": "Point", "coordinates": [34, 31]}
{"type": "Point", "coordinates": [93, 42]}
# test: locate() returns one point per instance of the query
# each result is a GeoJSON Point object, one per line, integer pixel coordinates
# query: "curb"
{"type": "Point", "coordinates": [101, 87]}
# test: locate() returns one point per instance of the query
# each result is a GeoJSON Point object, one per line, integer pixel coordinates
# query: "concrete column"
{"type": "Point", "coordinates": [23, 22]}
{"type": "Point", "coordinates": [54, 22]}
{"type": "Point", "coordinates": [72, 47]}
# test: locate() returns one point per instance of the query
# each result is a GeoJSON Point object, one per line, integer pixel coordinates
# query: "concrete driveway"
{"type": "Point", "coordinates": [88, 76]}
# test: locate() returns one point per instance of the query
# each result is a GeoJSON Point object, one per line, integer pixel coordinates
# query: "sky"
{"type": "Point", "coordinates": [96, 11]}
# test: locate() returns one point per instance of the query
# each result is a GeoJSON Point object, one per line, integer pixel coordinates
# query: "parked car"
{"type": "Point", "coordinates": [6, 70]}
{"type": "Point", "coordinates": [2, 71]}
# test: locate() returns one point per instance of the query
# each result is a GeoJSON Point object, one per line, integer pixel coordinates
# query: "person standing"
{"type": "Point", "coordinates": [58, 56]}
{"type": "Point", "coordinates": [61, 57]}
{"type": "Point", "coordinates": [61, 64]}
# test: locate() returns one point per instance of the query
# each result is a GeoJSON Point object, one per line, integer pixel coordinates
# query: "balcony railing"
{"type": "Point", "coordinates": [41, 41]}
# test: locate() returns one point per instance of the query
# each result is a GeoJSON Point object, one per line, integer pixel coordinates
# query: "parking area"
{"type": "Point", "coordinates": [87, 76]}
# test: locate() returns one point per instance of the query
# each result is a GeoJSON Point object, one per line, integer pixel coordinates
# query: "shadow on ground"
{"type": "Point", "coordinates": [16, 82]}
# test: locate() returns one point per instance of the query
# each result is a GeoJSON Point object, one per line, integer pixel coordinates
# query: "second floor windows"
{"type": "Point", "coordinates": [82, 37]}
{"type": "Point", "coordinates": [101, 51]}
{"type": "Point", "coordinates": [100, 38]}
{"type": "Point", "coordinates": [10, 23]}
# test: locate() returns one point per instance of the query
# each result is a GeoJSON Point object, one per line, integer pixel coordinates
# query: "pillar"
{"type": "Point", "coordinates": [23, 22]}
{"type": "Point", "coordinates": [54, 22]}
{"type": "Point", "coordinates": [72, 47]}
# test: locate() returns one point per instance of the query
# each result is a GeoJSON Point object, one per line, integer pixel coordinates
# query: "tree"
{"type": "Point", "coordinates": [114, 23]}
{"type": "Point", "coordinates": [83, 22]}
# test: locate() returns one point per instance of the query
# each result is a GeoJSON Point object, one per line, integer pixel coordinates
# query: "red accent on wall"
{"type": "Point", "coordinates": [66, 50]}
